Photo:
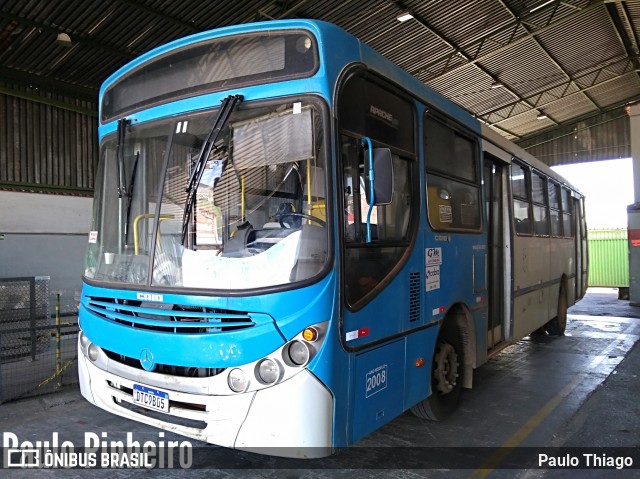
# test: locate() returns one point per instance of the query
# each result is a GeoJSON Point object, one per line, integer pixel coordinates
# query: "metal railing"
{"type": "Point", "coordinates": [37, 349]}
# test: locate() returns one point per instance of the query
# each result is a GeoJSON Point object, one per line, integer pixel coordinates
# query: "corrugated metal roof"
{"type": "Point", "coordinates": [587, 41]}
{"type": "Point", "coordinates": [569, 58]}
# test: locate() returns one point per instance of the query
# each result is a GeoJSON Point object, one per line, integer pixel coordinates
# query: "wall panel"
{"type": "Point", "coordinates": [47, 140]}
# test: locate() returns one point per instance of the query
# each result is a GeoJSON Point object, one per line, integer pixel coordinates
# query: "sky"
{"type": "Point", "coordinates": [608, 188]}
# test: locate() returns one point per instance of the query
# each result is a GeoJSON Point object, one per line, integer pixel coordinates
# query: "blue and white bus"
{"type": "Point", "coordinates": [294, 241]}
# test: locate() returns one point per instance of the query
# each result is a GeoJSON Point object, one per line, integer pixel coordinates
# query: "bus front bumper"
{"type": "Point", "coordinates": [291, 419]}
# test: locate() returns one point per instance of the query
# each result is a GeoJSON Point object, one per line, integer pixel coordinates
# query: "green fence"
{"type": "Point", "coordinates": [608, 258]}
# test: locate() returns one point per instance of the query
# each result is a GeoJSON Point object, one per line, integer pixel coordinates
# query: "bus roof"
{"type": "Point", "coordinates": [373, 60]}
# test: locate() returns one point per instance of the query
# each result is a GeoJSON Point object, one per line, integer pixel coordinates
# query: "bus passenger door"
{"type": "Point", "coordinates": [381, 265]}
{"type": "Point", "coordinates": [581, 249]}
{"type": "Point", "coordinates": [494, 213]}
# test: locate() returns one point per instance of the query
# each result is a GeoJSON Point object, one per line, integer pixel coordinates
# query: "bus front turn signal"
{"type": "Point", "coordinates": [310, 334]}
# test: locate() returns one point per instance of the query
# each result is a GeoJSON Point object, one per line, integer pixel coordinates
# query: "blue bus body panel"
{"type": "Point", "coordinates": [332, 43]}
{"type": "Point", "coordinates": [388, 380]}
{"type": "Point", "coordinates": [389, 312]}
{"type": "Point", "coordinates": [278, 318]}
{"type": "Point", "coordinates": [378, 387]}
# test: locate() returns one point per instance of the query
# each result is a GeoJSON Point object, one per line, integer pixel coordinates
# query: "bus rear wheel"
{"type": "Point", "coordinates": [446, 376]}
{"type": "Point", "coordinates": [556, 326]}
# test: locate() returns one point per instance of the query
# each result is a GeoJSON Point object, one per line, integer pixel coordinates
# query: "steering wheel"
{"type": "Point", "coordinates": [300, 215]}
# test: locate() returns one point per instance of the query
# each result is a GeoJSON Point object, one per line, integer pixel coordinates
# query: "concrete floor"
{"type": "Point", "coordinates": [580, 390]}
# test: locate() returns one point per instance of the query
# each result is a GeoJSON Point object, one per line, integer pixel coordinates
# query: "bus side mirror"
{"type": "Point", "coordinates": [383, 177]}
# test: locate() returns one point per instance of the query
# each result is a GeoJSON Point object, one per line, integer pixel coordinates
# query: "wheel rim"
{"type": "Point", "coordinates": [445, 371]}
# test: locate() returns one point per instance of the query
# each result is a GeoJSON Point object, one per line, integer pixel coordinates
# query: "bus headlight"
{"type": "Point", "coordinates": [298, 353]}
{"type": "Point", "coordinates": [93, 352]}
{"type": "Point", "coordinates": [84, 341]}
{"type": "Point", "coordinates": [237, 381]}
{"type": "Point", "coordinates": [268, 371]}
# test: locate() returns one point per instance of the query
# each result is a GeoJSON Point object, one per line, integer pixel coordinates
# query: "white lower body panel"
{"type": "Point", "coordinates": [291, 419]}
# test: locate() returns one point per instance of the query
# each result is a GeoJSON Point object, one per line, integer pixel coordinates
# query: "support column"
{"type": "Point", "coordinates": [633, 211]}
{"type": "Point", "coordinates": [634, 130]}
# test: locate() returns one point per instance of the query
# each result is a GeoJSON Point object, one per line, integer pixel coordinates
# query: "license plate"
{"type": "Point", "coordinates": [151, 398]}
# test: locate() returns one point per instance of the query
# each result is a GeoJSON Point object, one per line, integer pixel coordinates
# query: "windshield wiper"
{"type": "Point", "coordinates": [125, 191]}
{"type": "Point", "coordinates": [121, 134]}
{"type": "Point", "coordinates": [129, 196]}
{"type": "Point", "coordinates": [221, 119]}
{"type": "Point", "coordinates": [122, 185]}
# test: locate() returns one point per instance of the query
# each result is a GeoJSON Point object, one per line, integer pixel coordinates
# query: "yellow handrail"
{"type": "Point", "coordinates": [137, 219]}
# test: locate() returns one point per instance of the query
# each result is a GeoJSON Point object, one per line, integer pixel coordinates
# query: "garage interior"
{"type": "Point", "coordinates": [560, 78]}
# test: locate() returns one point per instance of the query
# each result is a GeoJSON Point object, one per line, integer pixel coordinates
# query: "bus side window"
{"type": "Point", "coordinates": [452, 179]}
{"type": "Point", "coordinates": [520, 188]}
{"type": "Point", "coordinates": [567, 210]}
{"type": "Point", "coordinates": [368, 264]}
{"type": "Point", "coordinates": [554, 209]}
{"type": "Point", "coordinates": [540, 204]}
{"type": "Point", "coordinates": [371, 108]}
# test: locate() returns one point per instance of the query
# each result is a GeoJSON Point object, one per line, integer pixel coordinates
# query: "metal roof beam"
{"type": "Point", "coordinates": [48, 83]}
{"type": "Point", "coordinates": [573, 131]}
{"type": "Point", "coordinates": [192, 27]}
{"type": "Point", "coordinates": [568, 83]}
{"type": "Point", "coordinates": [551, 58]}
{"type": "Point", "coordinates": [48, 101]}
{"type": "Point", "coordinates": [601, 110]}
{"type": "Point", "coordinates": [512, 42]}
{"type": "Point", "coordinates": [425, 24]}
{"type": "Point", "coordinates": [75, 36]}
{"type": "Point", "coordinates": [283, 6]}
{"type": "Point", "coordinates": [622, 25]}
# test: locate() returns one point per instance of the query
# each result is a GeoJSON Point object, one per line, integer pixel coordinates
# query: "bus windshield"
{"type": "Point", "coordinates": [247, 211]}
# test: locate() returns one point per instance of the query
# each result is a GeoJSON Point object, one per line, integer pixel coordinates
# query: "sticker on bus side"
{"type": "Point", "coordinates": [358, 333]}
{"type": "Point", "coordinates": [446, 215]}
{"type": "Point", "coordinates": [433, 277]}
{"type": "Point", "coordinates": [434, 256]}
{"type": "Point", "coordinates": [376, 380]}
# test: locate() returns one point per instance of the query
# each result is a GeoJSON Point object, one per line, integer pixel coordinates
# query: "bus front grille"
{"type": "Point", "coordinates": [168, 369]}
{"type": "Point", "coordinates": [168, 318]}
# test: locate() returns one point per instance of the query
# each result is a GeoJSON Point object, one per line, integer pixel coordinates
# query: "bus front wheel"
{"type": "Point", "coordinates": [446, 375]}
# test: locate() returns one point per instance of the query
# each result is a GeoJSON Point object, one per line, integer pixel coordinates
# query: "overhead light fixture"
{"type": "Point", "coordinates": [497, 84]}
{"type": "Point", "coordinates": [64, 40]}
{"type": "Point", "coordinates": [541, 5]}
{"type": "Point", "coordinates": [404, 16]}
{"type": "Point", "coordinates": [542, 115]}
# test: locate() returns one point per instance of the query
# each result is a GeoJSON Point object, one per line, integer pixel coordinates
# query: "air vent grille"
{"type": "Point", "coordinates": [415, 291]}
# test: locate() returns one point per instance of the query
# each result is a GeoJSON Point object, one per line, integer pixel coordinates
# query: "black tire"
{"type": "Point", "coordinates": [446, 375]}
{"type": "Point", "coordinates": [557, 325]}
{"type": "Point", "coordinates": [541, 331]}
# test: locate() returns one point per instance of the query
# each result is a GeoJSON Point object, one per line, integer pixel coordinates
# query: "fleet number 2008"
{"type": "Point", "coordinates": [376, 380]}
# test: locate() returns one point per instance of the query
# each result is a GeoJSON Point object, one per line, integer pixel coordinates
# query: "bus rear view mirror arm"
{"type": "Point", "coordinates": [378, 178]}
